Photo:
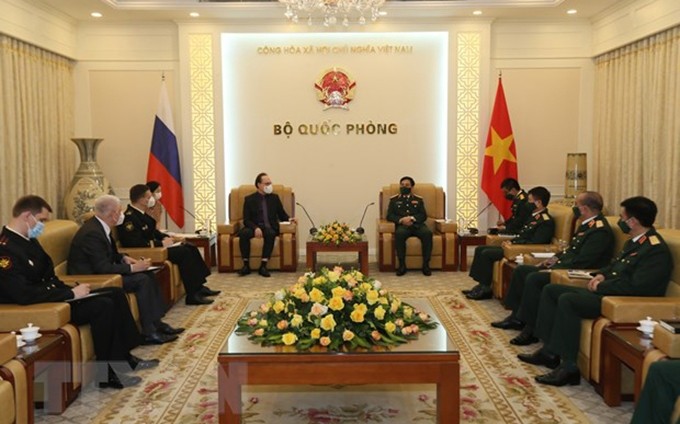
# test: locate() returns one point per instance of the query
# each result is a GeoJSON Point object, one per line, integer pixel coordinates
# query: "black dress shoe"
{"type": "Point", "coordinates": [121, 381]}
{"type": "Point", "coordinates": [468, 291]}
{"type": "Point", "coordinates": [560, 377]}
{"type": "Point", "coordinates": [480, 294]}
{"type": "Point", "coordinates": [197, 299]}
{"type": "Point", "coordinates": [540, 357]}
{"type": "Point", "coordinates": [167, 329]}
{"type": "Point", "coordinates": [205, 291]}
{"type": "Point", "coordinates": [427, 271]}
{"type": "Point", "coordinates": [141, 364]}
{"type": "Point", "coordinates": [158, 338]}
{"type": "Point", "coordinates": [525, 338]}
{"type": "Point", "coordinates": [263, 271]}
{"type": "Point", "coordinates": [401, 270]}
{"type": "Point", "coordinates": [245, 270]}
{"type": "Point", "coordinates": [509, 323]}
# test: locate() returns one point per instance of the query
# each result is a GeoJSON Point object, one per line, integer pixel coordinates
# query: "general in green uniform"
{"type": "Point", "coordinates": [407, 211]}
{"type": "Point", "coordinates": [519, 212]}
{"type": "Point", "coordinates": [643, 268]}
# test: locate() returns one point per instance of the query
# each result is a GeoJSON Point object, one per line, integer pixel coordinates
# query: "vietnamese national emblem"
{"type": "Point", "coordinates": [335, 88]}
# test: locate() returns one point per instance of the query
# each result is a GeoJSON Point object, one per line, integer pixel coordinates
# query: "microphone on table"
{"type": "Point", "coordinates": [198, 230]}
{"type": "Point", "coordinates": [360, 229]}
{"type": "Point", "coordinates": [312, 230]}
{"type": "Point", "coordinates": [474, 230]}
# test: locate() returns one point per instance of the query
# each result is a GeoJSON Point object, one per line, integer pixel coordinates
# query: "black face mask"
{"type": "Point", "coordinates": [531, 207]}
{"type": "Point", "coordinates": [509, 196]}
{"type": "Point", "coordinates": [405, 191]}
{"type": "Point", "coordinates": [577, 212]}
{"type": "Point", "coordinates": [623, 225]}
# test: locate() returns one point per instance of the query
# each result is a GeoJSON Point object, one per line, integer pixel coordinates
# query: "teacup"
{"type": "Point", "coordinates": [519, 259]}
{"type": "Point", "coordinates": [647, 325]}
{"type": "Point", "coordinates": [29, 333]}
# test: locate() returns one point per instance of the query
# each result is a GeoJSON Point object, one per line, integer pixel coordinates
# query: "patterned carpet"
{"type": "Point", "coordinates": [495, 386]}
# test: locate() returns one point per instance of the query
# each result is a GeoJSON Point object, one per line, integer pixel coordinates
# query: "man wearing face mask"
{"type": "Point", "coordinates": [94, 251]}
{"type": "Point", "coordinates": [642, 268]}
{"type": "Point", "coordinates": [407, 211]}
{"type": "Point", "coordinates": [589, 248]}
{"type": "Point", "coordinates": [262, 213]}
{"type": "Point", "coordinates": [139, 230]}
{"type": "Point", "coordinates": [520, 213]}
{"type": "Point", "coordinates": [27, 277]}
{"type": "Point", "coordinates": [539, 229]}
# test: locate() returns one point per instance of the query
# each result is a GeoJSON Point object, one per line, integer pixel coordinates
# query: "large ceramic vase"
{"type": "Point", "coordinates": [88, 183]}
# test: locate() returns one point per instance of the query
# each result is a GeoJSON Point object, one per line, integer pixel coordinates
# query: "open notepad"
{"type": "Point", "coordinates": [577, 273]}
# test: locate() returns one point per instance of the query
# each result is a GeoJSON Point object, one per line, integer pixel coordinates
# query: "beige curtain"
{"type": "Point", "coordinates": [637, 124]}
{"type": "Point", "coordinates": [36, 124]}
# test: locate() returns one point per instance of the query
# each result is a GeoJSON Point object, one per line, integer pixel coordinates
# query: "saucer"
{"type": "Point", "coordinates": [650, 335]}
{"type": "Point", "coordinates": [36, 338]}
{"type": "Point", "coordinates": [21, 344]}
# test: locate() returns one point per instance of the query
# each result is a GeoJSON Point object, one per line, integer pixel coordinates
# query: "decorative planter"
{"type": "Point", "coordinates": [88, 183]}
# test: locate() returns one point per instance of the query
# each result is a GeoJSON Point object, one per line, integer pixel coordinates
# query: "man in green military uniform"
{"type": "Point", "coordinates": [659, 394]}
{"type": "Point", "coordinates": [589, 248]}
{"type": "Point", "coordinates": [539, 229]}
{"type": "Point", "coordinates": [520, 213]}
{"type": "Point", "coordinates": [643, 268]}
{"type": "Point", "coordinates": [407, 211]}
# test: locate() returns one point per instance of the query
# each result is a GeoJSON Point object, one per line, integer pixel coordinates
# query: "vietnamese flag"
{"type": "Point", "coordinates": [164, 160]}
{"type": "Point", "coordinates": [500, 156]}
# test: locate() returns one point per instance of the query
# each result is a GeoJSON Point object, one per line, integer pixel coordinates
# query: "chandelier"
{"type": "Point", "coordinates": [333, 11]}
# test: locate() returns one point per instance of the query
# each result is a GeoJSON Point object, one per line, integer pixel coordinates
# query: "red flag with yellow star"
{"type": "Point", "coordinates": [500, 156]}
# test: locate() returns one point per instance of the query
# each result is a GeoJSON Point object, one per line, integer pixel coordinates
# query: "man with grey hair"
{"type": "Point", "coordinates": [93, 251]}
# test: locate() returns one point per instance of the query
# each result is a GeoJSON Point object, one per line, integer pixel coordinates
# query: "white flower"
{"type": "Point", "coordinates": [280, 294]}
{"type": "Point", "coordinates": [377, 284]}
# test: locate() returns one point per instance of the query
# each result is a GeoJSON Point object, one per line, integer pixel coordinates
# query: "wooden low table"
{"type": "Point", "coordinates": [360, 247]}
{"type": "Point", "coordinates": [431, 359]}
{"type": "Point", "coordinates": [465, 240]}
{"type": "Point", "coordinates": [622, 346]}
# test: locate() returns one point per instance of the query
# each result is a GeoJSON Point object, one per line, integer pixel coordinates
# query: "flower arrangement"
{"type": "Point", "coordinates": [335, 309]}
{"type": "Point", "coordinates": [336, 233]}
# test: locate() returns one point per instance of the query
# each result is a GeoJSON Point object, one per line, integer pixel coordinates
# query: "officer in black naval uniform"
{"type": "Point", "coordinates": [27, 277]}
{"type": "Point", "coordinates": [139, 230]}
{"type": "Point", "coordinates": [519, 212]}
{"type": "Point", "coordinates": [659, 394]}
{"type": "Point", "coordinates": [643, 268]}
{"type": "Point", "coordinates": [539, 229]}
{"type": "Point", "coordinates": [407, 211]}
{"type": "Point", "coordinates": [589, 248]}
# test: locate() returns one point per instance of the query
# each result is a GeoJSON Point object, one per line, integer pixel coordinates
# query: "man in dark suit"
{"type": "Point", "coordinates": [539, 229]}
{"type": "Point", "coordinates": [262, 212]}
{"type": "Point", "coordinates": [27, 277]}
{"type": "Point", "coordinates": [93, 251]}
{"type": "Point", "coordinates": [139, 230]}
{"type": "Point", "coordinates": [643, 268]}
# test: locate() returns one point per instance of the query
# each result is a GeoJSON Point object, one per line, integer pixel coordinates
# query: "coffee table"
{"type": "Point", "coordinates": [432, 359]}
{"type": "Point", "coordinates": [360, 247]}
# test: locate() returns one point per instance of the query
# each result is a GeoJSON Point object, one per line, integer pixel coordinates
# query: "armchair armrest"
{"type": "Point", "coordinates": [559, 276]}
{"type": "Point", "coordinates": [230, 228]}
{"type": "Point", "coordinates": [631, 309]}
{"type": "Point", "coordinates": [444, 226]}
{"type": "Point", "coordinates": [8, 348]}
{"type": "Point", "coordinates": [385, 226]}
{"type": "Point", "coordinates": [47, 316]}
{"type": "Point", "coordinates": [156, 254]}
{"type": "Point", "coordinates": [519, 249]}
{"type": "Point", "coordinates": [496, 240]}
{"type": "Point", "coordinates": [288, 228]}
{"type": "Point", "coordinates": [96, 281]}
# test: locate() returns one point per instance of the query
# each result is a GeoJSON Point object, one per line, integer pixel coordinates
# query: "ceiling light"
{"type": "Point", "coordinates": [477, 12]}
{"type": "Point", "coordinates": [96, 15]}
{"type": "Point", "coordinates": [194, 14]}
{"type": "Point", "coordinates": [332, 12]}
{"type": "Point", "coordinates": [572, 12]}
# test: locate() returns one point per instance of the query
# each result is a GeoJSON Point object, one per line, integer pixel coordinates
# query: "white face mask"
{"type": "Point", "coordinates": [121, 219]}
{"type": "Point", "coordinates": [268, 189]}
{"type": "Point", "coordinates": [158, 195]}
{"type": "Point", "coordinates": [151, 203]}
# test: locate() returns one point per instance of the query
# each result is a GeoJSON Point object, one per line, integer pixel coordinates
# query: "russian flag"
{"type": "Point", "coordinates": [164, 160]}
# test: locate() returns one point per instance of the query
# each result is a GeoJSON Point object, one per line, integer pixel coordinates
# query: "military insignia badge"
{"type": "Point", "coordinates": [5, 262]}
{"type": "Point", "coordinates": [642, 239]}
{"type": "Point", "coordinates": [130, 226]}
{"type": "Point", "coordinates": [335, 88]}
{"type": "Point", "coordinates": [546, 216]}
{"type": "Point", "coordinates": [599, 224]}
{"type": "Point", "coordinates": [654, 240]}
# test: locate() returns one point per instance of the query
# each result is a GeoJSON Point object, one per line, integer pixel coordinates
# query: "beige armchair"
{"type": "Point", "coordinates": [444, 240]}
{"type": "Point", "coordinates": [13, 384]}
{"type": "Point", "coordinates": [285, 253]}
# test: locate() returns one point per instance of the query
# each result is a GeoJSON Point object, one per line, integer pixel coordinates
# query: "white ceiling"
{"type": "Point", "coordinates": [178, 10]}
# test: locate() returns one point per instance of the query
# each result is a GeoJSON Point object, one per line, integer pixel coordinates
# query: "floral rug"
{"type": "Point", "coordinates": [495, 386]}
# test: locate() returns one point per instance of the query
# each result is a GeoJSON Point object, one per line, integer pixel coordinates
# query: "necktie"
{"type": "Point", "coordinates": [265, 214]}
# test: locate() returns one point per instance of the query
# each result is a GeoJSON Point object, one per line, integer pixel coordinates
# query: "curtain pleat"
{"type": "Point", "coordinates": [637, 124]}
{"type": "Point", "coordinates": [36, 124]}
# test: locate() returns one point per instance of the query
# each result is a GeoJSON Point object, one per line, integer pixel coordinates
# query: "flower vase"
{"type": "Point", "coordinates": [88, 183]}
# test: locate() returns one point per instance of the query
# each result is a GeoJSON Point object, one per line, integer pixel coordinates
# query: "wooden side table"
{"type": "Point", "coordinates": [622, 345]}
{"type": "Point", "coordinates": [465, 240]}
{"type": "Point", "coordinates": [47, 355]}
{"type": "Point", "coordinates": [207, 244]}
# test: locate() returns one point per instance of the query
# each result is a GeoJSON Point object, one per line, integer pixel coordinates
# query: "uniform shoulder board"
{"type": "Point", "coordinates": [521, 196]}
{"type": "Point", "coordinates": [654, 240]}
{"type": "Point", "coordinates": [416, 196]}
{"type": "Point", "coordinates": [129, 226]}
{"type": "Point", "coordinates": [5, 262]}
{"type": "Point", "coordinates": [394, 197]}
{"type": "Point", "coordinates": [545, 216]}
{"type": "Point", "coordinates": [599, 223]}
{"type": "Point", "coordinates": [128, 213]}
